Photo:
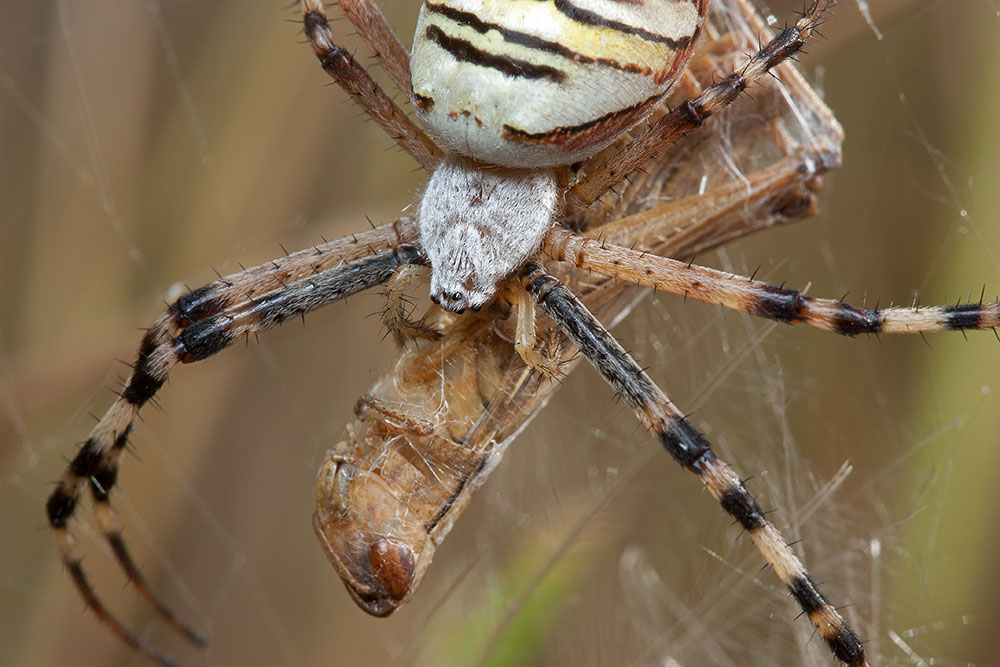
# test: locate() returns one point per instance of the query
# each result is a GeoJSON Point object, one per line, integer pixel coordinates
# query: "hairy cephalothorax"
{"type": "Point", "coordinates": [481, 223]}
{"type": "Point", "coordinates": [521, 97]}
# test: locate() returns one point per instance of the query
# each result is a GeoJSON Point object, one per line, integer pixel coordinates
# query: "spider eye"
{"type": "Point", "coordinates": [455, 301]}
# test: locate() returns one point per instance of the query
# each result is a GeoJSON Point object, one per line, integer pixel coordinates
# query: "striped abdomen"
{"type": "Point", "coordinates": [536, 83]}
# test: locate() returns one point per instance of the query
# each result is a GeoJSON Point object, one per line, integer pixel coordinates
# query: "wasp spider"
{"type": "Point", "coordinates": [545, 130]}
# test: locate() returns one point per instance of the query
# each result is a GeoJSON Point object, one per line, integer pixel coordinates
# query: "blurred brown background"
{"type": "Point", "coordinates": [142, 143]}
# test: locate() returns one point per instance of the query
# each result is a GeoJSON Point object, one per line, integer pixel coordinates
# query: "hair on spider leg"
{"type": "Point", "coordinates": [589, 271]}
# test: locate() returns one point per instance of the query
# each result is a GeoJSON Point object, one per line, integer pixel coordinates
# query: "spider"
{"type": "Point", "coordinates": [198, 325]}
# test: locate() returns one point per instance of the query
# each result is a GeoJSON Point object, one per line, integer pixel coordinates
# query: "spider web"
{"type": "Point", "coordinates": [144, 142]}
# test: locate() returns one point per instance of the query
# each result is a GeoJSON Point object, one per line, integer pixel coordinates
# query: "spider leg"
{"type": "Point", "coordinates": [258, 280]}
{"type": "Point", "coordinates": [370, 23]}
{"type": "Point", "coordinates": [195, 327]}
{"type": "Point", "coordinates": [762, 299]}
{"type": "Point", "coordinates": [690, 448]}
{"type": "Point", "coordinates": [353, 78]}
{"type": "Point", "coordinates": [216, 332]}
{"type": "Point", "coordinates": [778, 193]}
{"type": "Point", "coordinates": [691, 114]}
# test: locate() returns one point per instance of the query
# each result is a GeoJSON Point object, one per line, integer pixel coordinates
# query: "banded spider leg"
{"type": "Point", "coordinates": [692, 451]}
{"type": "Point", "coordinates": [252, 302]}
{"type": "Point", "coordinates": [682, 440]}
{"type": "Point", "coordinates": [195, 327]}
{"type": "Point", "coordinates": [211, 318]}
{"type": "Point", "coordinates": [771, 302]}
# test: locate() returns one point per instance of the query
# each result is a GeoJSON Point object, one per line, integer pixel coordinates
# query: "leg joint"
{"type": "Point", "coordinates": [538, 283]}
{"type": "Point", "coordinates": [409, 254]}
{"type": "Point", "coordinates": [684, 442]}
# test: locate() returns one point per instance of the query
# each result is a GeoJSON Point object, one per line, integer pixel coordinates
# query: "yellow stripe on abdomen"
{"type": "Point", "coordinates": [533, 83]}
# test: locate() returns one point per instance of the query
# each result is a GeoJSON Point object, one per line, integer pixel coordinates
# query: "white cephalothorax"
{"type": "Point", "coordinates": [480, 223]}
{"type": "Point", "coordinates": [530, 85]}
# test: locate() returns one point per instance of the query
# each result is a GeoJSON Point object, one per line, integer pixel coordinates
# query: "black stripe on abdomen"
{"type": "Point", "coordinates": [528, 41]}
{"type": "Point", "coordinates": [466, 51]}
{"type": "Point", "coordinates": [574, 13]}
{"type": "Point", "coordinates": [517, 134]}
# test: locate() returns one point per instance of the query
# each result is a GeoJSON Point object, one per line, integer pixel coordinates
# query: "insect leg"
{"type": "Point", "coordinates": [525, 340]}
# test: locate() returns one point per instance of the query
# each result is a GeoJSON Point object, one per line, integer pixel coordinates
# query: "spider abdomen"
{"type": "Point", "coordinates": [539, 83]}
